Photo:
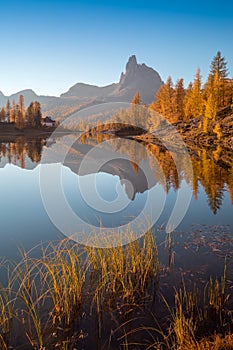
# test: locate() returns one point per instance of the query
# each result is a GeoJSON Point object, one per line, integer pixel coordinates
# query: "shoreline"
{"type": "Point", "coordinates": [8, 133]}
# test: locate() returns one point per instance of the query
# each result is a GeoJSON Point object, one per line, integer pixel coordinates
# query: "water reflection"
{"type": "Point", "coordinates": [212, 169]}
{"type": "Point", "coordinates": [21, 150]}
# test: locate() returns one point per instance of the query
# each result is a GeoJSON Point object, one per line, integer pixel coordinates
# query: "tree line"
{"type": "Point", "coordinates": [22, 117]}
{"type": "Point", "coordinates": [200, 104]}
{"type": "Point", "coordinates": [208, 171]}
{"type": "Point", "coordinates": [199, 100]}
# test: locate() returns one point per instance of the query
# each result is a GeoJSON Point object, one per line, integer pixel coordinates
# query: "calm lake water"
{"type": "Point", "coordinates": [123, 180]}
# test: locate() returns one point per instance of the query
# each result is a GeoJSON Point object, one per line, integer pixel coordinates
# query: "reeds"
{"type": "Point", "coordinates": [6, 316]}
{"type": "Point", "coordinates": [126, 270]}
{"type": "Point", "coordinates": [199, 319]}
{"type": "Point", "coordinates": [47, 296]}
{"type": "Point", "coordinates": [6, 310]}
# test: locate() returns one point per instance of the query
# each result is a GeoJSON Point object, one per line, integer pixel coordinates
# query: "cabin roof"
{"type": "Point", "coordinates": [48, 120]}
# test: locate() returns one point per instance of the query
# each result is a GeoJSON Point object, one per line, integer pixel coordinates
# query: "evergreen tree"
{"type": "Point", "coordinates": [33, 115]}
{"type": "Point", "coordinates": [219, 65]}
{"type": "Point", "coordinates": [12, 113]}
{"type": "Point", "coordinates": [37, 114]}
{"type": "Point", "coordinates": [194, 103]}
{"type": "Point", "coordinates": [135, 111]}
{"type": "Point", "coordinates": [164, 100]}
{"type": "Point", "coordinates": [197, 99]}
{"type": "Point", "coordinates": [217, 80]}
{"type": "Point", "coordinates": [8, 109]}
{"type": "Point", "coordinates": [29, 116]}
{"type": "Point", "coordinates": [20, 113]}
{"type": "Point", "coordinates": [21, 104]}
{"type": "Point", "coordinates": [136, 99]}
{"type": "Point", "coordinates": [17, 117]}
{"type": "Point", "coordinates": [188, 102]}
{"type": "Point", "coordinates": [2, 115]}
{"type": "Point", "coordinates": [210, 111]}
{"type": "Point", "coordinates": [178, 100]}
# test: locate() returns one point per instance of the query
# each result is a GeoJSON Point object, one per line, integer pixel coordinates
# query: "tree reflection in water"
{"type": "Point", "coordinates": [212, 169]}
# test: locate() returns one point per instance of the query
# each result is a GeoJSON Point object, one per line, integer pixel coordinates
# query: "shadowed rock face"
{"type": "Point", "coordinates": [137, 77]}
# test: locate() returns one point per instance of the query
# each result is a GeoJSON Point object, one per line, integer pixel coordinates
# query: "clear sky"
{"type": "Point", "coordinates": [50, 45]}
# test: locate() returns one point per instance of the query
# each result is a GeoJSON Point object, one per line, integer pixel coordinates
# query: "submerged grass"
{"type": "Point", "coordinates": [200, 319]}
{"type": "Point", "coordinates": [46, 298]}
{"type": "Point", "coordinates": [6, 316]}
{"type": "Point", "coordinates": [125, 271]}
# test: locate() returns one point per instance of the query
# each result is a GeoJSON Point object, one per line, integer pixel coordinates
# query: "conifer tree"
{"type": "Point", "coordinates": [12, 113]}
{"type": "Point", "coordinates": [178, 100]}
{"type": "Point", "coordinates": [17, 117]}
{"type": "Point", "coordinates": [164, 100]}
{"type": "Point", "coordinates": [21, 103]}
{"type": "Point", "coordinates": [217, 80]}
{"type": "Point", "coordinates": [136, 99]}
{"type": "Point", "coordinates": [135, 111]}
{"type": "Point", "coordinates": [8, 109]}
{"type": "Point", "coordinates": [210, 111]}
{"type": "Point", "coordinates": [2, 115]}
{"type": "Point", "coordinates": [194, 103]}
{"type": "Point", "coordinates": [188, 102]}
{"type": "Point", "coordinates": [29, 116]}
{"type": "Point", "coordinates": [33, 115]}
{"type": "Point", "coordinates": [219, 65]}
{"type": "Point", "coordinates": [37, 113]}
{"type": "Point", "coordinates": [20, 113]}
{"type": "Point", "coordinates": [197, 99]}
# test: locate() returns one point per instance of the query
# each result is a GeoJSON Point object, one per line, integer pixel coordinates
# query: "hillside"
{"type": "Point", "coordinates": [137, 77]}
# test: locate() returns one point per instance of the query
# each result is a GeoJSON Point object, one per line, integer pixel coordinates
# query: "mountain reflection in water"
{"type": "Point", "coordinates": [212, 169]}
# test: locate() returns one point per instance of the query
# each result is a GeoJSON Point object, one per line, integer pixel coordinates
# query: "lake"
{"type": "Point", "coordinates": [122, 176]}
{"type": "Point", "coordinates": [124, 179]}
{"type": "Point", "coordinates": [94, 185]}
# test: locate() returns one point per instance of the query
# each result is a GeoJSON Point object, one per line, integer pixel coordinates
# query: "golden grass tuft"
{"type": "Point", "coordinates": [51, 292]}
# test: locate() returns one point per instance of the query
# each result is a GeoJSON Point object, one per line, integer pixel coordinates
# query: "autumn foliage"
{"type": "Point", "coordinates": [199, 100]}
{"type": "Point", "coordinates": [20, 116]}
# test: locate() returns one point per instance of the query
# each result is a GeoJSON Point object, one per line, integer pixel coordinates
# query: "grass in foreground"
{"type": "Point", "coordinates": [47, 301]}
{"type": "Point", "coordinates": [200, 319]}
{"type": "Point", "coordinates": [47, 297]}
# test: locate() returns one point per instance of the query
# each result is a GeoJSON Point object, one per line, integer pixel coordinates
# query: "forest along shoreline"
{"type": "Point", "coordinates": [9, 133]}
{"type": "Point", "coordinates": [202, 113]}
{"type": "Point", "coordinates": [219, 134]}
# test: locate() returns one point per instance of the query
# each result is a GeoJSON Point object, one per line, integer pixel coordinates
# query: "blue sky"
{"type": "Point", "coordinates": [50, 45]}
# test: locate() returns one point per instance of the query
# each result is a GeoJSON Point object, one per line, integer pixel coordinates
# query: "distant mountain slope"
{"type": "Point", "coordinates": [3, 99]}
{"type": "Point", "coordinates": [137, 77]}
{"type": "Point", "coordinates": [29, 96]}
{"type": "Point", "coordinates": [85, 91]}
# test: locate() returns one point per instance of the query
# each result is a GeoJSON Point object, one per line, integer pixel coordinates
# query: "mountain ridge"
{"type": "Point", "coordinates": [137, 77]}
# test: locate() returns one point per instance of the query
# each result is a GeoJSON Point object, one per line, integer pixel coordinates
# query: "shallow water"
{"type": "Point", "coordinates": [55, 188]}
{"type": "Point", "coordinates": [109, 187]}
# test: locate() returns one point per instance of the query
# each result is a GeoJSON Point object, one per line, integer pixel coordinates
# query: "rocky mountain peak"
{"type": "Point", "coordinates": [132, 63]}
{"type": "Point", "coordinates": [138, 77]}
